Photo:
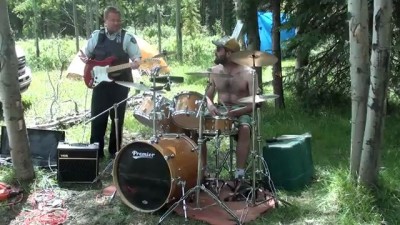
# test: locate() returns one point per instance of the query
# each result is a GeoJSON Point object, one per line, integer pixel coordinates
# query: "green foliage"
{"type": "Point", "coordinates": [197, 48]}
{"type": "Point", "coordinates": [55, 53]}
{"type": "Point", "coordinates": [190, 17]}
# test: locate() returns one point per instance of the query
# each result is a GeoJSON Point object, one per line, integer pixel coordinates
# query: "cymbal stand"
{"type": "Point", "coordinates": [256, 155]}
{"type": "Point", "coordinates": [199, 186]}
{"type": "Point", "coordinates": [261, 162]}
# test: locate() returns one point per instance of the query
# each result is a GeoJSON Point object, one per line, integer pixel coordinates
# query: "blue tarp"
{"type": "Point", "coordinates": [265, 25]}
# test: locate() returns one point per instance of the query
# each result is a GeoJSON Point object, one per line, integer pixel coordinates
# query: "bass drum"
{"type": "Point", "coordinates": [147, 175]}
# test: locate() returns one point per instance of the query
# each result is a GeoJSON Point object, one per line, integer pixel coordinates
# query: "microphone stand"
{"type": "Point", "coordinates": [115, 107]}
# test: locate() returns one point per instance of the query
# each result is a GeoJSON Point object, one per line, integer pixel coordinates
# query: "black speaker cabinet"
{"type": "Point", "coordinates": [43, 145]}
{"type": "Point", "coordinates": [77, 163]}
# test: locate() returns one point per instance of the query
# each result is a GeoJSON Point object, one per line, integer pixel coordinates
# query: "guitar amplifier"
{"type": "Point", "coordinates": [77, 163]}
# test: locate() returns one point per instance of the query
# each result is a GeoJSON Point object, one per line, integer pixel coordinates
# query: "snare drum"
{"type": "Point", "coordinates": [144, 113]}
{"type": "Point", "coordinates": [148, 175]}
{"type": "Point", "coordinates": [219, 125]}
{"type": "Point", "coordinates": [186, 105]}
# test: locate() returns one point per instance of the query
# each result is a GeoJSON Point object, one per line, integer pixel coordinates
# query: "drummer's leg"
{"type": "Point", "coordinates": [243, 145]}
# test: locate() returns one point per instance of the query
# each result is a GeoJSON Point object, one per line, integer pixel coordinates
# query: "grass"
{"type": "Point", "coordinates": [329, 199]}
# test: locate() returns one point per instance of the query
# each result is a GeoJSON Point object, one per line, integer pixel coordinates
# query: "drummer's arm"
{"type": "Point", "coordinates": [210, 94]}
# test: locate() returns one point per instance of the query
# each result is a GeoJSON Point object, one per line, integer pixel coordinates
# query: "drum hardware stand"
{"type": "Point", "coordinates": [115, 107]}
{"type": "Point", "coordinates": [256, 161]}
{"type": "Point", "coordinates": [154, 74]}
{"type": "Point", "coordinates": [183, 184]}
{"type": "Point", "coordinates": [199, 186]}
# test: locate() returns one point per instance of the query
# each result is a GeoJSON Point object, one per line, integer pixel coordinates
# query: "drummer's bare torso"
{"type": "Point", "coordinates": [231, 89]}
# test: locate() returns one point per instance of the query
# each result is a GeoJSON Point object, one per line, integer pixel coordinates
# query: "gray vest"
{"type": "Point", "coordinates": [106, 48]}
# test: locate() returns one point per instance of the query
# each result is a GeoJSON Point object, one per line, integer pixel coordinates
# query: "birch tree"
{"type": "Point", "coordinates": [380, 56]}
{"type": "Point", "coordinates": [10, 97]}
{"type": "Point", "coordinates": [359, 72]}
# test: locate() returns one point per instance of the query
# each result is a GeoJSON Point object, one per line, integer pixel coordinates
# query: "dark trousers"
{"type": "Point", "coordinates": [104, 96]}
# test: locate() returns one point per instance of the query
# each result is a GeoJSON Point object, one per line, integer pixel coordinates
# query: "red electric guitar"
{"type": "Point", "coordinates": [96, 71]}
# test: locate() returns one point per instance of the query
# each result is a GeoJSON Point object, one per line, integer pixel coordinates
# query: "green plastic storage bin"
{"type": "Point", "coordinates": [289, 161]}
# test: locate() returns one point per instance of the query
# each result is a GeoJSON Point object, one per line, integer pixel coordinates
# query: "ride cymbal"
{"type": "Point", "coordinates": [206, 73]}
{"type": "Point", "coordinates": [253, 58]}
{"type": "Point", "coordinates": [166, 79]}
{"type": "Point", "coordinates": [164, 53]}
{"type": "Point", "coordinates": [258, 98]}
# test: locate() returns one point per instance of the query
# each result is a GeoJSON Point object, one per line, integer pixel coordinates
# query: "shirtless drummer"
{"type": "Point", "coordinates": [230, 90]}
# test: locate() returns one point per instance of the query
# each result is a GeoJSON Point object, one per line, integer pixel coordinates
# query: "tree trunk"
{"type": "Point", "coordinates": [10, 97]}
{"type": "Point", "coordinates": [159, 27]}
{"type": "Point", "coordinates": [250, 22]}
{"type": "Point", "coordinates": [75, 25]}
{"type": "Point", "coordinates": [276, 49]}
{"type": "Point", "coordinates": [36, 27]}
{"type": "Point", "coordinates": [179, 31]}
{"type": "Point", "coordinates": [223, 25]}
{"type": "Point", "coordinates": [87, 24]}
{"type": "Point", "coordinates": [91, 23]}
{"type": "Point", "coordinates": [359, 74]}
{"type": "Point", "coordinates": [96, 14]}
{"type": "Point", "coordinates": [380, 56]}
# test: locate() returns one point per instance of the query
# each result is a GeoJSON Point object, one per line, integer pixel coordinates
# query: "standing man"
{"type": "Point", "coordinates": [110, 41]}
{"type": "Point", "coordinates": [230, 90]}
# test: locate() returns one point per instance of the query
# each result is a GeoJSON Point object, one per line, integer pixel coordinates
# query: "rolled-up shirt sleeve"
{"type": "Point", "coordinates": [91, 44]}
{"type": "Point", "coordinates": [131, 47]}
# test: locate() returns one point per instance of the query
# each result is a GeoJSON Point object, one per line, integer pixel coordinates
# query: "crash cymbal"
{"type": "Point", "coordinates": [166, 79]}
{"type": "Point", "coordinates": [258, 98]}
{"type": "Point", "coordinates": [206, 73]}
{"type": "Point", "coordinates": [248, 57]}
{"type": "Point", "coordinates": [164, 53]}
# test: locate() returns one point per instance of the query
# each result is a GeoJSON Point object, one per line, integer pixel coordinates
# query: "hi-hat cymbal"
{"type": "Point", "coordinates": [166, 79]}
{"type": "Point", "coordinates": [164, 53]}
{"type": "Point", "coordinates": [206, 73]}
{"type": "Point", "coordinates": [253, 58]}
{"type": "Point", "coordinates": [258, 98]}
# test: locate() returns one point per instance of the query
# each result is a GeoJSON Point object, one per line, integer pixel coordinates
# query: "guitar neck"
{"type": "Point", "coordinates": [118, 67]}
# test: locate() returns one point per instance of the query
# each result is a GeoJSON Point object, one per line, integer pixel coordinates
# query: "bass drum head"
{"type": "Point", "coordinates": [142, 176]}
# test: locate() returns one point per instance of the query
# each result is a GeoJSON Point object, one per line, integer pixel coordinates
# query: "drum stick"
{"type": "Point", "coordinates": [226, 108]}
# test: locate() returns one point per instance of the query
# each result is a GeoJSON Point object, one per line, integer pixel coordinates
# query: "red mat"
{"type": "Point", "coordinates": [215, 214]}
{"type": "Point", "coordinates": [211, 212]}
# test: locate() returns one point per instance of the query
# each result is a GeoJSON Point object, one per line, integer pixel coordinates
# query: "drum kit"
{"type": "Point", "coordinates": [167, 168]}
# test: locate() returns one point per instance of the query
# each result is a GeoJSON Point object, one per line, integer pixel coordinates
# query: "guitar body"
{"type": "Point", "coordinates": [90, 77]}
